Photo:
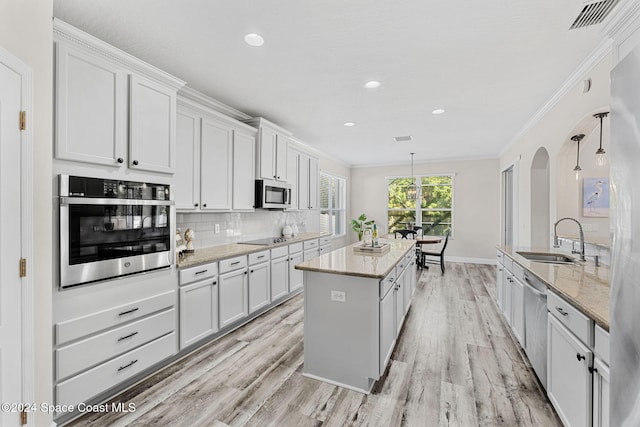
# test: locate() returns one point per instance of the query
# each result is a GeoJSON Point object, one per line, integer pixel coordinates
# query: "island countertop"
{"type": "Point", "coordinates": [582, 283]}
{"type": "Point", "coordinates": [347, 261]}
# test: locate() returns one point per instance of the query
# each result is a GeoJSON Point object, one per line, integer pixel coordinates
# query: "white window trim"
{"type": "Point", "coordinates": [344, 209]}
{"type": "Point", "coordinates": [417, 177]}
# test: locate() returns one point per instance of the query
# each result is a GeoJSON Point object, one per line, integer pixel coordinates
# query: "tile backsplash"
{"type": "Point", "coordinates": [240, 226]}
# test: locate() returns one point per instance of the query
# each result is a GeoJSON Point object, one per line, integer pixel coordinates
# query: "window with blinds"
{"type": "Point", "coordinates": [332, 204]}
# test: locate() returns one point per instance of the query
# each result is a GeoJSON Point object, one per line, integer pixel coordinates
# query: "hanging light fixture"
{"type": "Point", "coordinates": [412, 189]}
{"type": "Point", "coordinates": [600, 158]}
{"type": "Point", "coordinates": [577, 169]}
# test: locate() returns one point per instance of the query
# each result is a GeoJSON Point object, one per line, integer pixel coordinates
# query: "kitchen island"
{"type": "Point", "coordinates": [354, 307]}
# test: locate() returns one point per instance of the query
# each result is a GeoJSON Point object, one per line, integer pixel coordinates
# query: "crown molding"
{"type": "Point", "coordinates": [66, 33]}
{"type": "Point", "coordinates": [202, 99]}
{"type": "Point", "coordinates": [600, 52]}
{"type": "Point", "coordinates": [428, 161]}
{"type": "Point", "coordinates": [628, 11]}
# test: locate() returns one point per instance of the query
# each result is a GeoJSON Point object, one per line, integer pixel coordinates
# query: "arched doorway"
{"type": "Point", "coordinates": [540, 204]}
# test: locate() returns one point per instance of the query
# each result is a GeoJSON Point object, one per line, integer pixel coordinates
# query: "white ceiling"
{"type": "Point", "coordinates": [490, 64]}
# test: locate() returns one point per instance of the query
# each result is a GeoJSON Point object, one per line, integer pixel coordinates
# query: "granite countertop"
{"type": "Point", "coordinates": [348, 262]}
{"type": "Point", "coordinates": [215, 253]}
{"type": "Point", "coordinates": [582, 283]}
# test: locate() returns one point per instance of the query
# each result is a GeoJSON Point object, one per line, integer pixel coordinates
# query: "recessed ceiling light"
{"type": "Point", "coordinates": [349, 124]}
{"type": "Point", "coordinates": [254, 39]}
{"type": "Point", "coordinates": [438, 111]}
{"type": "Point", "coordinates": [372, 84]}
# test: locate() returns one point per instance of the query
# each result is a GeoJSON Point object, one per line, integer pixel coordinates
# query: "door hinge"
{"type": "Point", "coordinates": [23, 120]}
{"type": "Point", "coordinates": [23, 418]}
{"type": "Point", "coordinates": [23, 267]}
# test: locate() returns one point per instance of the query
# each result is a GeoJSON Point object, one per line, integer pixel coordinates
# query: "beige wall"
{"type": "Point", "coordinates": [476, 202]}
{"type": "Point", "coordinates": [26, 32]}
{"type": "Point", "coordinates": [572, 114]}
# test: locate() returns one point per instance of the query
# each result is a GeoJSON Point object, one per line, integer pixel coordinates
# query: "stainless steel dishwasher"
{"type": "Point", "coordinates": [535, 312]}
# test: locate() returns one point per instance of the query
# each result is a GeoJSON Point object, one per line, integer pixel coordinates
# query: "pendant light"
{"type": "Point", "coordinates": [412, 189]}
{"type": "Point", "coordinates": [600, 158]}
{"type": "Point", "coordinates": [577, 169]}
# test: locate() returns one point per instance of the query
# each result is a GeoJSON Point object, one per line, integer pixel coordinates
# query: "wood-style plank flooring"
{"type": "Point", "coordinates": [455, 364]}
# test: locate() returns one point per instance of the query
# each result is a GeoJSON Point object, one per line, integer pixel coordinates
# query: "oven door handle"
{"type": "Point", "coordinates": [66, 201]}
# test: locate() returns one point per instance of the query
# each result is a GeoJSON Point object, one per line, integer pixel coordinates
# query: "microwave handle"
{"type": "Point", "coordinates": [287, 199]}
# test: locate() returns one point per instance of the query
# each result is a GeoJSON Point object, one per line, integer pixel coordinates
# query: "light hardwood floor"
{"type": "Point", "coordinates": [455, 364]}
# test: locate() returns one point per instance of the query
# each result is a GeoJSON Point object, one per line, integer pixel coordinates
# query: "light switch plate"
{"type": "Point", "coordinates": [217, 228]}
{"type": "Point", "coordinates": [338, 296]}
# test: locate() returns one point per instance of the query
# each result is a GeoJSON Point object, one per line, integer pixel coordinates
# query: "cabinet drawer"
{"type": "Point", "coordinates": [200, 272]}
{"type": "Point", "coordinates": [387, 283]}
{"type": "Point", "coordinates": [279, 252]}
{"type": "Point", "coordinates": [518, 271]}
{"type": "Point", "coordinates": [400, 266]}
{"type": "Point", "coordinates": [508, 263]}
{"type": "Point", "coordinates": [601, 346]}
{"type": "Point", "coordinates": [94, 381]}
{"type": "Point", "coordinates": [233, 263]}
{"type": "Point", "coordinates": [92, 351]}
{"type": "Point", "coordinates": [325, 240]}
{"type": "Point", "coordinates": [115, 316]}
{"type": "Point", "coordinates": [296, 247]}
{"type": "Point", "coordinates": [310, 244]}
{"type": "Point", "coordinates": [258, 257]}
{"type": "Point", "coordinates": [571, 317]}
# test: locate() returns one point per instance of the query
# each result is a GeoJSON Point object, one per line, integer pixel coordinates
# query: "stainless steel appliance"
{"type": "Point", "coordinates": [266, 241]}
{"type": "Point", "coordinates": [625, 260]}
{"type": "Point", "coordinates": [272, 194]}
{"type": "Point", "coordinates": [535, 323]}
{"type": "Point", "coordinates": [111, 228]}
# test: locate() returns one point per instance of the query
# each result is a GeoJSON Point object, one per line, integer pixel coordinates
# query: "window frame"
{"type": "Point", "coordinates": [418, 208]}
{"type": "Point", "coordinates": [341, 197]}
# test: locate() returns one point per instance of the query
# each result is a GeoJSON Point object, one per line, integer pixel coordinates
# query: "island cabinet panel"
{"type": "Point", "coordinates": [387, 328]}
{"type": "Point", "coordinates": [399, 298]}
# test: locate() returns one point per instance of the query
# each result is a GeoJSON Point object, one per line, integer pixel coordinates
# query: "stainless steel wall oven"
{"type": "Point", "coordinates": [112, 228]}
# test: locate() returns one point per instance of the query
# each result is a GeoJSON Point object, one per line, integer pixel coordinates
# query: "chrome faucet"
{"type": "Point", "coordinates": [556, 244]}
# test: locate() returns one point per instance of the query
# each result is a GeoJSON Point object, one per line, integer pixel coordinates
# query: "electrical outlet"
{"type": "Point", "coordinates": [338, 296]}
{"type": "Point", "coordinates": [217, 228]}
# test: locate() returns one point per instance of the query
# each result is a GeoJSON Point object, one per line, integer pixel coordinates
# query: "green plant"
{"type": "Point", "coordinates": [358, 225]}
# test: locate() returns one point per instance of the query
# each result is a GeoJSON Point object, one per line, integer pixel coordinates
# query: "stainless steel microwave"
{"type": "Point", "coordinates": [272, 194]}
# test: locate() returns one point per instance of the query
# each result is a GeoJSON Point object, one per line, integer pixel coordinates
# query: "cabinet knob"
{"type": "Point", "coordinates": [120, 160]}
{"type": "Point", "coordinates": [580, 357]}
{"type": "Point", "coordinates": [215, 283]}
{"type": "Point", "coordinates": [252, 271]}
{"type": "Point", "coordinates": [204, 205]}
{"type": "Point", "coordinates": [245, 272]}
{"type": "Point", "coordinates": [195, 204]}
{"type": "Point", "coordinates": [278, 178]}
{"type": "Point", "coordinates": [135, 163]}
{"type": "Point", "coordinates": [592, 369]}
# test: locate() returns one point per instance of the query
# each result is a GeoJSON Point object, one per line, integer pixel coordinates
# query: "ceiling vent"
{"type": "Point", "coordinates": [407, 138]}
{"type": "Point", "coordinates": [593, 13]}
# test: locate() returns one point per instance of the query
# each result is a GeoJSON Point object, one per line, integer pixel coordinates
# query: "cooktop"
{"type": "Point", "coordinates": [266, 241]}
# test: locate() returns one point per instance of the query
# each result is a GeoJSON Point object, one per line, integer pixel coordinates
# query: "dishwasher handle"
{"type": "Point", "coordinates": [534, 290]}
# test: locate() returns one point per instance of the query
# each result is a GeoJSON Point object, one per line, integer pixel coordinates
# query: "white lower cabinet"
{"type": "Point", "coordinates": [601, 393]}
{"type": "Point", "coordinates": [568, 378]}
{"type": "Point", "coordinates": [387, 327]}
{"type": "Point", "coordinates": [517, 310]}
{"type": "Point", "coordinates": [259, 292]}
{"type": "Point", "coordinates": [500, 285]}
{"type": "Point", "coordinates": [198, 311]}
{"type": "Point", "coordinates": [279, 276]}
{"type": "Point", "coordinates": [233, 289]}
{"type": "Point", "coordinates": [506, 295]}
{"type": "Point", "coordinates": [399, 299]}
{"type": "Point", "coordinates": [296, 277]}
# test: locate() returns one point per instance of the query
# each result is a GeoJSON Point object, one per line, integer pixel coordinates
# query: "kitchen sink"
{"type": "Point", "coordinates": [550, 258]}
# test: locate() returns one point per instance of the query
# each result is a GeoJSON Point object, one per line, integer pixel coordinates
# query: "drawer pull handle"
{"type": "Point", "coordinates": [561, 311]}
{"type": "Point", "coordinates": [235, 263]}
{"type": "Point", "coordinates": [261, 256]}
{"type": "Point", "coordinates": [128, 311]}
{"type": "Point", "coordinates": [127, 365]}
{"type": "Point", "coordinates": [580, 357]}
{"type": "Point", "coordinates": [201, 272]}
{"type": "Point", "coordinates": [127, 336]}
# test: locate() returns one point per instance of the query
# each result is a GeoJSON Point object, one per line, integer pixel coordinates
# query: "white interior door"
{"type": "Point", "coordinates": [11, 368]}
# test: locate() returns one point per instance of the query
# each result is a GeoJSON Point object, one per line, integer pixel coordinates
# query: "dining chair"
{"type": "Point", "coordinates": [436, 254]}
{"type": "Point", "coordinates": [405, 234]}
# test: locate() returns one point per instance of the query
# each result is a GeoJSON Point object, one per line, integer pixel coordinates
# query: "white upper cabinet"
{"type": "Point", "coordinates": [243, 171]}
{"type": "Point", "coordinates": [215, 166]}
{"type": "Point", "coordinates": [92, 82]}
{"type": "Point", "coordinates": [292, 173]}
{"type": "Point", "coordinates": [306, 182]}
{"type": "Point", "coordinates": [272, 150]}
{"type": "Point", "coordinates": [91, 108]}
{"type": "Point", "coordinates": [215, 158]}
{"type": "Point", "coordinates": [152, 126]}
